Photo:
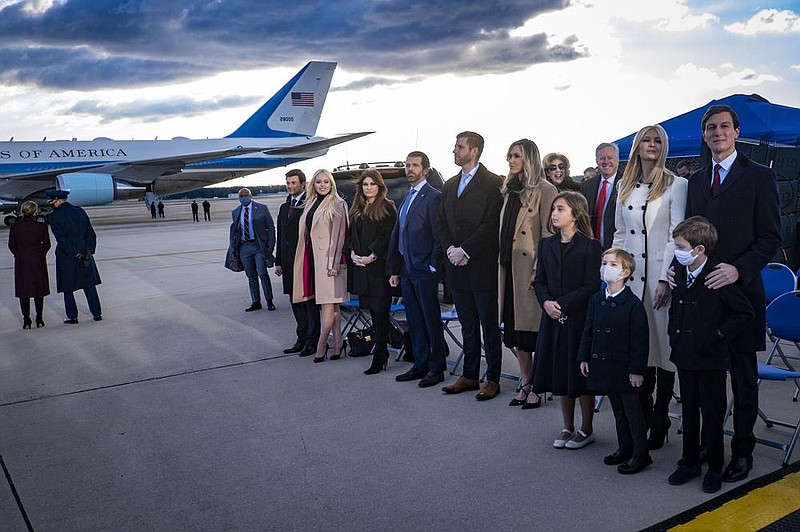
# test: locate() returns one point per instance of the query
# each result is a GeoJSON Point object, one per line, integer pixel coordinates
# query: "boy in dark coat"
{"type": "Point", "coordinates": [613, 356]}
{"type": "Point", "coordinates": [702, 322]}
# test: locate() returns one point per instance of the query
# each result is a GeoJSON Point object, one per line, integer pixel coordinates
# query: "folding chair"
{"type": "Point", "coordinates": [394, 309]}
{"type": "Point", "coordinates": [448, 317]}
{"type": "Point", "coordinates": [771, 373]}
{"type": "Point", "coordinates": [783, 323]}
{"type": "Point", "coordinates": [778, 279]}
{"type": "Point", "coordinates": [356, 315]}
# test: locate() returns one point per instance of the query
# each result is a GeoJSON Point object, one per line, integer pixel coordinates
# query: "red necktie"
{"type": "Point", "coordinates": [715, 184]}
{"type": "Point", "coordinates": [600, 208]}
{"type": "Point", "coordinates": [247, 223]}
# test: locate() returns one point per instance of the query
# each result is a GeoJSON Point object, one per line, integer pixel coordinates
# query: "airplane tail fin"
{"type": "Point", "coordinates": [293, 111]}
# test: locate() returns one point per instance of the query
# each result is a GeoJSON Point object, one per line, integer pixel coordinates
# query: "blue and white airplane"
{"type": "Point", "coordinates": [280, 133]}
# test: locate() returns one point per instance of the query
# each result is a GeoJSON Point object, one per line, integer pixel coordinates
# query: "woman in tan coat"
{"type": "Point", "coordinates": [527, 197]}
{"type": "Point", "coordinates": [319, 266]}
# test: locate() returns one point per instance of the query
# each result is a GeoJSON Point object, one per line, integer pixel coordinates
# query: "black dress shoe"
{"type": "Point", "coordinates": [72, 321]}
{"type": "Point", "coordinates": [431, 379]}
{"type": "Point", "coordinates": [410, 375]}
{"type": "Point", "coordinates": [684, 474]}
{"type": "Point", "coordinates": [254, 306]}
{"type": "Point", "coordinates": [617, 457]}
{"type": "Point", "coordinates": [97, 318]}
{"type": "Point", "coordinates": [635, 464]}
{"type": "Point", "coordinates": [296, 348]}
{"type": "Point", "coordinates": [738, 469]}
{"type": "Point", "coordinates": [270, 305]}
{"type": "Point", "coordinates": [712, 482]}
{"type": "Point", "coordinates": [307, 351]}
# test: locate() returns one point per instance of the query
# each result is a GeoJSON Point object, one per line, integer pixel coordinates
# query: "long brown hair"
{"type": "Point", "coordinates": [580, 211]}
{"type": "Point", "coordinates": [378, 209]}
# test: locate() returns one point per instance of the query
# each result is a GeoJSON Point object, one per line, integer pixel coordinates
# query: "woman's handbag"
{"type": "Point", "coordinates": [361, 342]}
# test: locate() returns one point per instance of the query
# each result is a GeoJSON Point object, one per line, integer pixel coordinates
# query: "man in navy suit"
{"type": "Point", "coordinates": [253, 231]}
{"type": "Point", "coordinates": [415, 257]}
{"type": "Point", "coordinates": [740, 197]}
{"type": "Point", "coordinates": [469, 225]}
{"type": "Point", "coordinates": [601, 194]}
{"type": "Point", "coordinates": [306, 313]}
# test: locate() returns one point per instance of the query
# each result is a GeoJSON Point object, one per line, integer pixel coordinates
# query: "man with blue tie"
{"type": "Point", "coordinates": [253, 233]}
{"type": "Point", "coordinates": [414, 261]}
{"type": "Point", "coordinates": [469, 222]}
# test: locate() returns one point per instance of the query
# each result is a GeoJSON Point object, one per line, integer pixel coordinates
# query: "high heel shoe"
{"type": "Point", "coordinates": [342, 351]}
{"type": "Point", "coordinates": [26, 323]}
{"type": "Point", "coordinates": [323, 357]}
{"type": "Point", "coordinates": [39, 322]}
{"type": "Point", "coordinates": [529, 405]}
{"type": "Point", "coordinates": [526, 390]}
{"type": "Point", "coordinates": [379, 362]}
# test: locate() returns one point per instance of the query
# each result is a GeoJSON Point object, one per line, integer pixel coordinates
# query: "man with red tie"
{"type": "Point", "coordinates": [740, 197]}
{"type": "Point", "coordinates": [601, 193]}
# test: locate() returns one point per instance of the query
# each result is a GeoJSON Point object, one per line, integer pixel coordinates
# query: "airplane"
{"type": "Point", "coordinates": [97, 172]}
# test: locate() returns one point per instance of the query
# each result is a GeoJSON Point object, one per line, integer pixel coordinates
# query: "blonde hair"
{"type": "Point", "coordinates": [659, 176]}
{"type": "Point", "coordinates": [328, 206]}
{"type": "Point", "coordinates": [625, 258]}
{"type": "Point", "coordinates": [28, 208]}
{"type": "Point", "coordinates": [532, 174]}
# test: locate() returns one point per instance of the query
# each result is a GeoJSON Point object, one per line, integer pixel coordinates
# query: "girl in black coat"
{"type": "Point", "coordinates": [567, 274]}
{"type": "Point", "coordinates": [372, 219]}
{"type": "Point", "coordinates": [29, 242]}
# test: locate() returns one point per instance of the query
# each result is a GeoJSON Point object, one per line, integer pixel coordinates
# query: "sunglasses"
{"type": "Point", "coordinates": [554, 167]}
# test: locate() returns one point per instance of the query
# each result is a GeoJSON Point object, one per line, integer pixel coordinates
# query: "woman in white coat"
{"type": "Point", "coordinates": [651, 201]}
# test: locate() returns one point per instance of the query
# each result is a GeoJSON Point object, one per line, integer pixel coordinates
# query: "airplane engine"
{"type": "Point", "coordinates": [87, 189]}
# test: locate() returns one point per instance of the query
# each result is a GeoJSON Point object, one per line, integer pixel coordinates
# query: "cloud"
{"type": "Point", "coordinates": [156, 110]}
{"type": "Point", "coordinates": [795, 67]}
{"type": "Point", "coordinates": [723, 79]}
{"type": "Point", "coordinates": [83, 44]}
{"type": "Point", "coordinates": [767, 21]}
{"type": "Point", "coordinates": [375, 81]}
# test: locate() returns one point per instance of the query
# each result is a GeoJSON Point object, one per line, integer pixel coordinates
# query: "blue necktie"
{"type": "Point", "coordinates": [462, 184]}
{"type": "Point", "coordinates": [689, 279]}
{"type": "Point", "coordinates": [403, 213]}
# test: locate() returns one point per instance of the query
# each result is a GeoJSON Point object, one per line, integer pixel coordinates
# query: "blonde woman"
{"type": "Point", "coordinates": [319, 269]}
{"type": "Point", "coordinates": [651, 202]}
{"type": "Point", "coordinates": [527, 197]}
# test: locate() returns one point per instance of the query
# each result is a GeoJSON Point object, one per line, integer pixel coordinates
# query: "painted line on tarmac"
{"type": "Point", "coordinates": [148, 379]}
{"type": "Point", "coordinates": [20, 506]}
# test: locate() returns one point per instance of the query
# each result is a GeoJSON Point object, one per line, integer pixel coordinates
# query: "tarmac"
{"type": "Point", "coordinates": [179, 411]}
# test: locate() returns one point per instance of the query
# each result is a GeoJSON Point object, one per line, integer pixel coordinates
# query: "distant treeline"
{"type": "Point", "coordinates": [223, 192]}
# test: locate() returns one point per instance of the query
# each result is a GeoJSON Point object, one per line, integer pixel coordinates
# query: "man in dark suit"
{"type": "Point", "coordinates": [206, 211]}
{"type": "Point", "coordinates": [469, 220]}
{"type": "Point", "coordinates": [306, 313]}
{"type": "Point", "coordinates": [75, 266]}
{"type": "Point", "coordinates": [740, 197]}
{"type": "Point", "coordinates": [601, 193]}
{"type": "Point", "coordinates": [253, 231]}
{"type": "Point", "coordinates": [415, 257]}
{"type": "Point", "coordinates": [195, 210]}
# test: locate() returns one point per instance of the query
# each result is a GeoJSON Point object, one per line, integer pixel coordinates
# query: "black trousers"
{"type": "Point", "coordinates": [25, 306]}
{"type": "Point", "coordinates": [744, 384]}
{"type": "Point", "coordinates": [478, 310]}
{"type": "Point", "coordinates": [631, 426]}
{"type": "Point", "coordinates": [703, 393]}
{"type": "Point", "coordinates": [306, 314]}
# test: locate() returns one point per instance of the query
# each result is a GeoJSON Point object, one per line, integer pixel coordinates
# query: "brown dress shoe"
{"type": "Point", "coordinates": [463, 384]}
{"type": "Point", "coordinates": [489, 390]}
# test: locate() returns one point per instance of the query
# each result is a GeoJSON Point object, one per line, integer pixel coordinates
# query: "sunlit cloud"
{"type": "Point", "coordinates": [767, 21]}
{"type": "Point", "coordinates": [723, 79]}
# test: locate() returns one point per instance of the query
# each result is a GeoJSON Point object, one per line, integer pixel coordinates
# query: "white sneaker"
{"type": "Point", "coordinates": [579, 440]}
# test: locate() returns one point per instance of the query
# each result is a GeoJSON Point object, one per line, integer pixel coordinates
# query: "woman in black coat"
{"type": "Point", "coordinates": [372, 219]}
{"type": "Point", "coordinates": [29, 242]}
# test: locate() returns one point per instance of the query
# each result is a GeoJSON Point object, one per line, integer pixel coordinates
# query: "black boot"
{"type": "Point", "coordinates": [659, 428]}
{"type": "Point", "coordinates": [379, 362]}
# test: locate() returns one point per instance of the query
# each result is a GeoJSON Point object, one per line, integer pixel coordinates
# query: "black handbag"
{"type": "Point", "coordinates": [361, 342]}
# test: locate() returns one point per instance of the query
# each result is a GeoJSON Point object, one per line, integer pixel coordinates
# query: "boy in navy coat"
{"type": "Point", "coordinates": [702, 322]}
{"type": "Point", "coordinates": [613, 356]}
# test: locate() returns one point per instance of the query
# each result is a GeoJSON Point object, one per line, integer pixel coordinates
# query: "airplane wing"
{"type": "Point", "coordinates": [317, 145]}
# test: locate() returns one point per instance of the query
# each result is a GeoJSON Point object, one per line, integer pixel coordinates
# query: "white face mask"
{"type": "Point", "coordinates": [610, 274]}
{"type": "Point", "coordinates": [684, 257]}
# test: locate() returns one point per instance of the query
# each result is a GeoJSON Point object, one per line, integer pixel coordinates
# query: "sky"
{"type": "Point", "coordinates": [568, 74]}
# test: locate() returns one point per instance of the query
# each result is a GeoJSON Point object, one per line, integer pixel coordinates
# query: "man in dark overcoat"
{"type": "Point", "coordinates": [306, 313]}
{"type": "Point", "coordinates": [75, 265]}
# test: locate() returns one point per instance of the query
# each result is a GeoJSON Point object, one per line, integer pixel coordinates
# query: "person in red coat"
{"type": "Point", "coordinates": [29, 242]}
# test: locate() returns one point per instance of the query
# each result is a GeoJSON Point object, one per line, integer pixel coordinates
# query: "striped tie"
{"type": "Point", "coordinates": [247, 223]}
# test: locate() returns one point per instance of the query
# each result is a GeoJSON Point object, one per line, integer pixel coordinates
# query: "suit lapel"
{"type": "Point", "coordinates": [734, 174]}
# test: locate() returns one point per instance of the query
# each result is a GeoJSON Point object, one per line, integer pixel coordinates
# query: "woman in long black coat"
{"type": "Point", "coordinates": [372, 219]}
{"type": "Point", "coordinates": [29, 242]}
